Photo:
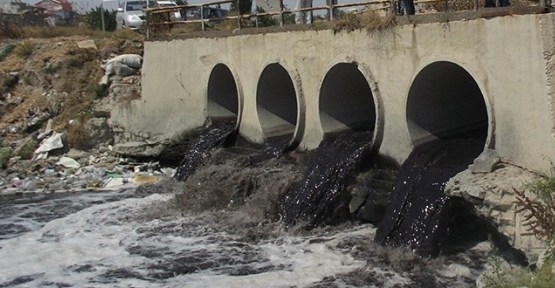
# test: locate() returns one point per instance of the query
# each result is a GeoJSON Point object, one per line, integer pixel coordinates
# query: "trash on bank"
{"type": "Point", "coordinates": [51, 143]}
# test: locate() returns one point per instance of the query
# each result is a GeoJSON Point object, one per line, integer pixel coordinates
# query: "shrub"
{"type": "Point", "coordinates": [514, 277]}
{"type": "Point", "coordinates": [538, 207]}
{"type": "Point", "coordinates": [77, 136]}
{"type": "Point", "coordinates": [9, 29]}
{"type": "Point", "coordinates": [539, 212]}
{"type": "Point", "coordinates": [24, 49]}
{"type": "Point", "coordinates": [7, 50]}
{"type": "Point", "coordinates": [26, 152]}
{"type": "Point", "coordinates": [5, 155]}
{"type": "Point", "coordinates": [370, 20]}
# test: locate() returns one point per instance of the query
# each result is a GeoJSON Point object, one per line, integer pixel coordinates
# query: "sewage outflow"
{"type": "Point", "coordinates": [135, 239]}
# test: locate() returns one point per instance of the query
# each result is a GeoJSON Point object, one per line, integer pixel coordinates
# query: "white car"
{"type": "Point", "coordinates": [130, 14]}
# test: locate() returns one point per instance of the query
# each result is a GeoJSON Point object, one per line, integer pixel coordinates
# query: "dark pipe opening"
{"type": "Point", "coordinates": [223, 98]}
{"type": "Point", "coordinates": [276, 103]}
{"type": "Point", "coordinates": [445, 102]}
{"type": "Point", "coordinates": [346, 101]}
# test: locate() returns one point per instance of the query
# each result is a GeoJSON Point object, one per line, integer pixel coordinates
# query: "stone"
{"type": "Point", "coordinates": [85, 44]}
{"type": "Point", "coordinates": [104, 81]}
{"type": "Point", "coordinates": [486, 162]}
{"type": "Point", "coordinates": [99, 131]}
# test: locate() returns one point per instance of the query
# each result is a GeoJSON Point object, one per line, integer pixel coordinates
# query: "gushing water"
{"type": "Point", "coordinates": [419, 212]}
{"type": "Point", "coordinates": [321, 196]}
{"type": "Point", "coordinates": [209, 139]}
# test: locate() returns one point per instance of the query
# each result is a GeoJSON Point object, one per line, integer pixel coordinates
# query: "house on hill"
{"type": "Point", "coordinates": [13, 6]}
{"type": "Point", "coordinates": [57, 10]}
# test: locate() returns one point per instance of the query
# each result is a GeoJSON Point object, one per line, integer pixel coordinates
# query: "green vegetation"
{"type": "Point", "coordinates": [515, 277]}
{"type": "Point", "coordinates": [24, 49]}
{"type": "Point", "coordinates": [9, 29]}
{"type": "Point", "coordinates": [5, 155]}
{"type": "Point", "coordinates": [26, 152]}
{"type": "Point", "coordinates": [7, 50]}
{"type": "Point", "coordinates": [538, 207]}
{"type": "Point", "coordinates": [370, 20]}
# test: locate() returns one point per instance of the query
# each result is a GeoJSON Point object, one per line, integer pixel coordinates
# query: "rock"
{"type": "Point", "coordinates": [99, 131]}
{"type": "Point", "coordinates": [486, 162]}
{"type": "Point", "coordinates": [87, 44]}
{"type": "Point", "coordinates": [494, 199]}
{"type": "Point", "coordinates": [104, 81]}
{"type": "Point", "coordinates": [77, 154]}
{"type": "Point", "coordinates": [139, 149]}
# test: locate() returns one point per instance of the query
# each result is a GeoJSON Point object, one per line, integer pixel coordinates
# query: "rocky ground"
{"type": "Point", "coordinates": [52, 136]}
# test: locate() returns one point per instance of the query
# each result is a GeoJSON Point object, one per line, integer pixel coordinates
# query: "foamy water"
{"type": "Point", "coordinates": [124, 243]}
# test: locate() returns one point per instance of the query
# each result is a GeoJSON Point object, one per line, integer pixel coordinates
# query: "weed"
{"type": "Point", "coordinates": [9, 29]}
{"type": "Point", "coordinates": [7, 50]}
{"type": "Point", "coordinates": [539, 212]}
{"type": "Point", "coordinates": [100, 91]}
{"type": "Point", "coordinates": [51, 69]}
{"type": "Point", "coordinates": [5, 155]}
{"type": "Point", "coordinates": [77, 136]}
{"type": "Point", "coordinates": [26, 152]}
{"type": "Point", "coordinates": [24, 49]}
{"type": "Point", "coordinates": [370, 20]}
{"type": "Point", "coordinates": [513, 276]}
{"type": "Point", "coordinates": [26, 80]}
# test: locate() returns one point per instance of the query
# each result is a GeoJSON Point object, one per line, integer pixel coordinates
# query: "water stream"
{"type": "Point", "coordinates": [217, 227]}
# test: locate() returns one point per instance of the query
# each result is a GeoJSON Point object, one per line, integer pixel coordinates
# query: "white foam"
{"type": "Point", "coordinates": [81, 248]}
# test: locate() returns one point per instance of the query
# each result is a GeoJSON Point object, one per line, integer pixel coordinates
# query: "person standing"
{"type": "Point", "coordinates": [303, 16]}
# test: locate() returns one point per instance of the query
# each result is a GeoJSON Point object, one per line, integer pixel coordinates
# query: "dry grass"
{"type": "Point", "coordinates": [9, 29]}
{"type": "Point", "coordinates": [77, 136]}
{"type": "Point", "coordinates": [539, 212]}
{"type": "Point", "coordinates": [370, 20]}
{"type": "Point", "coordinates": [24, 49]}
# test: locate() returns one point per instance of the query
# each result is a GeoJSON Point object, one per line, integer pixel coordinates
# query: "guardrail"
{"type": "Point", "coordinates": [151, 20]}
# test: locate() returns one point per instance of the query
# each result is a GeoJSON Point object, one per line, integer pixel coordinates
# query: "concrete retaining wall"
{"type": "Point", "coordinates": [510, 59]}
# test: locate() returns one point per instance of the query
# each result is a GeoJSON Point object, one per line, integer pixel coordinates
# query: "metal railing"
{"type": "Point", "coordinates": [153, 21]}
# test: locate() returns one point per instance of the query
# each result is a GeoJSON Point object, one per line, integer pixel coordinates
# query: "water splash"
{"type": "Point", "coordinates": [419, 212]}
{"type": "Point", "coordinates": [214, 136]}
{"type": "Point", "coordinates": [321, 196]}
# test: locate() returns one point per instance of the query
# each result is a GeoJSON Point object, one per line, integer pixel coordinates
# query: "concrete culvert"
{"type": "Point", "coordinates": [223, 98]}
{"type": "Point", "coordinates": [445, 102]}
{"type": "Point", "coordinates": [346, 101]}
{"type": "Point", "coordinates": [276, 103]}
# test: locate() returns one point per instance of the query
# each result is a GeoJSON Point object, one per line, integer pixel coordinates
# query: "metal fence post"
{"type": "Point", "coordinates": [331, 10]}
{"type": "Point", "coordinates": [239, 14]}
{"type": "Point", "coordinates": [202, 17]}
{"type": "Point", "coordinates": [281, 21]}
{"type": "Point", "coordinates": [148, 25]}
{"type": "Point", "coordinates": [446, 5]}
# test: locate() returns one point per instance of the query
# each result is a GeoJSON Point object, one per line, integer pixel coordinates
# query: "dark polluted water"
{"type": "Point", "coordinates": [419, 212]}
{"type": "Point", "coordinates": [321, 196]}
{"type": "Point", "coordinates": [214, 229]}
{"type": "Point", "coordinates": [212, 137]}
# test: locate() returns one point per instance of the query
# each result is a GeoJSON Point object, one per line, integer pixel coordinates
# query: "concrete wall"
{"type": "Point", "coordinates": [509, 58]}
